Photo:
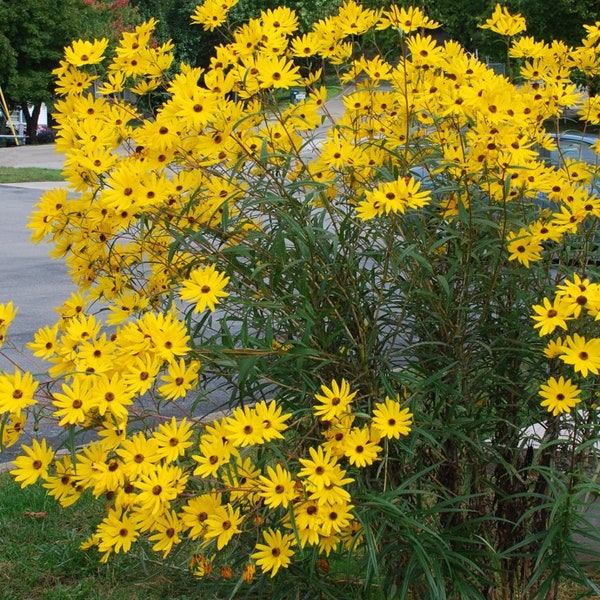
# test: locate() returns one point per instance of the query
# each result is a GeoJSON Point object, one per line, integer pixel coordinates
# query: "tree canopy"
{"type": "Point", "coordinates": [461, 19]}
{"type": "Point", "coordinates": [33, 34]}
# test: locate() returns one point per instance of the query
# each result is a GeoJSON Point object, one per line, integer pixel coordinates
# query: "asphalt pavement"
{"type": "Point", "coordinates": [29, 277]}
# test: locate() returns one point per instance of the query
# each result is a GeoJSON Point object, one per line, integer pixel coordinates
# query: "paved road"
{"type": "Point", "coordinates": [33, 281]}
{"type": "Point", "coordinates": [28, 276]}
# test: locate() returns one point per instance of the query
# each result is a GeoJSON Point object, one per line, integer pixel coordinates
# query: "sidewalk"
{"type": "Point", "coordinates": [43, 156]}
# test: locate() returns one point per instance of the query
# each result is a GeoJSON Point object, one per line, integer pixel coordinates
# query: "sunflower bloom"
{"type": "Point", "coordinates": [159, 487]}
{"type": "Point", "coordinates": [319, 468]}
{"type": "Point", "coordinates": [407, 20]}
{"type": "Point", "coordinates": [196, 511]}
{"type": "Point", "coordinates": [166, 533]}
{"type": "Point", "coordinates": [28, 469]}
{"type": "Point", "coordinates": [583, 354]}
{"type": "Point", "coordinates": [173, 439]}
{"type": "Point", "coordinates": [273, 420]}
{"type": "Point", "coordinates": [336, 517]}
{"type": "Point", "coordinates": [12, 430]}
{"type": "Point", "coordinates": [205, 288]}
{"type": "Point", "coordinates": [550, 315]}
{"type": "Point", "coordinates": [359, 448]}
{"type": "Point", "coordinates": [117, 532]}
{"type": "Point", "coordinates": [393, 197]}
{"type": "Point", "coordinates": [390, 419]}
{"type": "Point", "coordinates": [503, 23]}
{"type": "Point", "coordinates": [179, 379]}
{"type": "Point", "coordinates": [244, 427]}
{"type": "Point", "coordinates": [523, 247]}
{"type": "Point", "coordinates": [559, 396]}
{"type": "Point", "coordinates": [74, 402]}
{"type": "Point", "coordinates": [335, 400]}
{"type": "Point", "coordinates": [277, 488]}
{"type": "Point", "coordinates": [275, 553]}
{"type": "Point", "coordinates": [212, 14]}
{"type": "Point", "coordinates": [223, 525]}
{"type": "Point", "coordinates": [17, 391]}
{"type": "Point", "coordinates": [82, 52]}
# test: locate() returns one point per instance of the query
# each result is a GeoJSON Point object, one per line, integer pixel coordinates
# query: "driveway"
{"type": "Point", "coordinates": [34, 282]}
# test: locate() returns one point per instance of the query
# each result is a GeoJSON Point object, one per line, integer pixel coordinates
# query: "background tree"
{"type": "Point", "coordinates": [563, 22]}
{"type": "Point", "coordinates": [109, 18]}
{"type": "Point", "coordinates": [460, 19]}
{"type": "Point", "coordinates": [193, 45]}
{"type": "Point", "coordinates": [33, 34]}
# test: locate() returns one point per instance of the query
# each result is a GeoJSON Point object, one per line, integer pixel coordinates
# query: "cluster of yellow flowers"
{"type": "Point", "coordinates": [574, 303]}
{"type": "Point", "coordinates": [572, 206]}
{"type": "Point", "coordinates": [153, 490]}
{"type": "Point", "coordinates": [14, 420]}
{"type": "Point", "coordinates": [215, 118]}
{"type": "Point", "coordinates": [570, 191]}
{"type": "Point", "coordinates": [160, 201]}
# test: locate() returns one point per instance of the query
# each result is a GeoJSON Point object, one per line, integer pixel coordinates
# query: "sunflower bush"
{"type": "Point", "coordinates": [306, 357]}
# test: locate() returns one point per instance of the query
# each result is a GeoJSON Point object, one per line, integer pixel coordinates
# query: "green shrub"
{"type": "Point", "coordinates": [331, 281]}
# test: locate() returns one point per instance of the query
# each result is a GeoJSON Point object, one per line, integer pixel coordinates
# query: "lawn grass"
{"type": "Point", "coordinates": [41, 558]}
{"type": "Point", "coordinates": [28, 174]}
{"type": "Point", "coordinates": [333, 91]}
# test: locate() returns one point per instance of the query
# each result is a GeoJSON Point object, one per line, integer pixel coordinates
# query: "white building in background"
{"type": "Point", "coordinates": [17, 119]}
{"type": "Point", "coordinates": [15, 125]}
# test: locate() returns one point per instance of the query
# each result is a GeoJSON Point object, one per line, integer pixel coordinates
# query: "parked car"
{"type": "Point", "coordinates": [572, 144]}
{"type": "Point", "coordinates": [577, 146]}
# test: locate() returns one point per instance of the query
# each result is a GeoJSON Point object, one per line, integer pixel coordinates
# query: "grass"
{"type": "Point", "coordinates": [41, 558]}
{"type": "Point", "coordinates": [28, 174]}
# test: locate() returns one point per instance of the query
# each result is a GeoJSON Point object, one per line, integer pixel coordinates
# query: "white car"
{"type": "Point", "coordinates": [572, 144]}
